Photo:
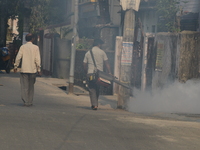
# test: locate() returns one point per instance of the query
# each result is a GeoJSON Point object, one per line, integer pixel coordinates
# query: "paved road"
{"type": "Point", "coordinates": [58, 121]}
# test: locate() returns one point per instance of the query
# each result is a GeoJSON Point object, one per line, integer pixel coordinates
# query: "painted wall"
{"type": "Point", "coordinates": [177, 57]}
{"type": "Point", "coordinates": [190, 6]}
{"type": "Point", "coordinates": [115, 16]}
{"type": "Point", "coordinates": [149, 21]}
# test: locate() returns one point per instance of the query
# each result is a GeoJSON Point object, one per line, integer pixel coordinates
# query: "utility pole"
{"type": "Point", "coordinates": [129, 6]}
{"type": "Point", "coordinates": [126, 57]}
{"type": "Point", "coordinates": [73, 50]}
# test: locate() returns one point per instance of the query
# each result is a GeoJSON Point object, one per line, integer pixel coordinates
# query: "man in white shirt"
{"type": "Point", "coordinates": [29, 54]}
{"type": "Point", "coordinates": [100, 58]}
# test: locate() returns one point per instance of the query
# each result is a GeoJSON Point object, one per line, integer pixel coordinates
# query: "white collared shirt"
{"type": "Point", "coordinates": [99, 57]}
{"type": "Point", "coordinates": [29, 54]}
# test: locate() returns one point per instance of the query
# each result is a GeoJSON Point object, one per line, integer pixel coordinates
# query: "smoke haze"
{"type": "Point", "coordinates": [175, 98]}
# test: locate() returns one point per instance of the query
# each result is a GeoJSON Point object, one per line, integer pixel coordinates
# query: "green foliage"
{"type": "Point", "coordinates": [8, 8]}
{"type": "Point", "coordinates": [45, 13]}
{"type": "Point", "coordinates": [167, 10]}
{"type": "Point", "coordinates": [37, 13]}
{"type": "Point", "coordinates": [84, 44]}
{"type": "Point", "coordinates": [41, 13]}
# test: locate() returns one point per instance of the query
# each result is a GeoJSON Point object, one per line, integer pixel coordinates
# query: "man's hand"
{"type": "Point", "coordinates": [40, 73]}
{"type": "Point", "coordinates": [15, 70]}
{"type": "Point", "coordinates": [108, 67]}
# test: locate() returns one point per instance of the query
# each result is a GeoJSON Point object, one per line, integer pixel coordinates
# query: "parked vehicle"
{"type": "Point", "coordinates": [5, 61]}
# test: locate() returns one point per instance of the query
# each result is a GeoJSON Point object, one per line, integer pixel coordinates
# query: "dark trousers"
{"type": "Point", "coordinates": [94, 93]}
{"type": "Point", "coordinates": [27, 81]}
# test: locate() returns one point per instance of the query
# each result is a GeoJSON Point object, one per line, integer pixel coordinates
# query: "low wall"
{"type": "Point", "coordinates": [177, 57]}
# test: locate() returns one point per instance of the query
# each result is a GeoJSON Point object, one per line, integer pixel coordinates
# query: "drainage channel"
{"type": "Point", "coordinates": [77, 90]}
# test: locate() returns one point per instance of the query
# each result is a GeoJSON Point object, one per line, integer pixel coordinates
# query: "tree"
{"type": "Point", "coordinates": [8, 10]}
{"type": "Point", "coordinates": [41, 13]}
{"type": "Point", "coordinates": [167, 11]}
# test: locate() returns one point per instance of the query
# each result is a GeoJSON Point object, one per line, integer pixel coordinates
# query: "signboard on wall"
{"type": "Point", "coordinates": [89, 10]}
{"type": "Point", "coordinates": [127, 51]}
{"type": "Point", "coordinates": [86, 1]}
{"type": "Point", "coordinates": [159, 56]}
{"type": "Point", "coordinates": [130, 4]}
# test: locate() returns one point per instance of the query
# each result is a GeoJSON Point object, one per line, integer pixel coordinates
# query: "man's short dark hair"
{"type": "Point", "coordinates": [97, 42]}
{"type": "Point", "coordinates": [29, 37]}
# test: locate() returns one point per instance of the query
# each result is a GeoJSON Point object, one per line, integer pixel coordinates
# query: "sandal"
{"type": "Point", "coordinates": [94, 107]}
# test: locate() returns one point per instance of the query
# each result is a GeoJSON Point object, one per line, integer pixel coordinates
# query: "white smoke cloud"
{"type": "Point", "coordinates": [175, 98]}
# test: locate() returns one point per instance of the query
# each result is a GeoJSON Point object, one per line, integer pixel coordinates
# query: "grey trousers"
{"type": "Point", "coordinates": [94, 93]}
{"type": "Point", "coordinates": [27, 81]}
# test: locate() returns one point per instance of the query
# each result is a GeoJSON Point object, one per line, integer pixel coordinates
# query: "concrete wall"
{"type": "Point", "coordinates": [165, 59]}
{"type": "Point", "coordinates": [177, 57]}
{"type": "Point", "coordinates": [149, 21]}
{"type": "Point", "coordinates": [61, 58]}
{"type": "Point", "coordinates": [189, 56]}
{"type": "Point", "coordinates": [190, 6]}
{"type": "Point", "coordinates": [115, 16]}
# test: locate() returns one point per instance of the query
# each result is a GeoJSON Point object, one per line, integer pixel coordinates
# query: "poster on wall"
{"type": "Point", "coordinates": [89, 9]}
{"type": "Point", "coordinates": [159, 56]}
{"type": "Point", "coordinates": [127, 50]}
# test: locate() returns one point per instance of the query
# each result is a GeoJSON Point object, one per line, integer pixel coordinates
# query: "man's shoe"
{"type": "Point", "coordinates": [28, 105]}
{"type": "Point", "coordinates": [94, 107]}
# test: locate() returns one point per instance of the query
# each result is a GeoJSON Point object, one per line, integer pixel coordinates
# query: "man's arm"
{"type": "Point", "coordinates": [107, 66]}
{"type": "Point", "coordinates": [85, 67]}
{"type": "Point", "coordinates": [38, 62]}
{"type": "Point", "coordinates": [105, 58]}
{"type": "Point", "coordinates": [17, 60]}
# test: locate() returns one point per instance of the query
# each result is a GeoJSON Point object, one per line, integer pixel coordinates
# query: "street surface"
{"type": "Point", "coordinates": [58, 121]}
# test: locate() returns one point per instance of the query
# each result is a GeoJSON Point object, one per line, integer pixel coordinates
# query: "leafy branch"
{"type": "Point", "coordinates": [167, 11]}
